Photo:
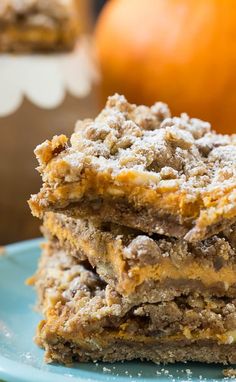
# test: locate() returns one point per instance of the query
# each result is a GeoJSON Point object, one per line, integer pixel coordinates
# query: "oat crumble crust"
{"type": "Point", "coordinates": [144, 268]}
{"type": "Point", "coordinates": [138, 166]}
{"type": "Point", "coordinates": [85, 319]}
{"type": "Point", "coordinates": [37, 25]}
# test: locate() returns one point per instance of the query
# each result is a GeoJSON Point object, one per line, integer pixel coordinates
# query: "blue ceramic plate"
{"type": "Point", "coordinates": [21, 360]}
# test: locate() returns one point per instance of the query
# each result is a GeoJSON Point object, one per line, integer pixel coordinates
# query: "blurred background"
{"type": "Point", "coordinates": [182, 52]}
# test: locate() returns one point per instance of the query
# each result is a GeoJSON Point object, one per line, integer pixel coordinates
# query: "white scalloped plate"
{"type": "Point", "coordinates": [45, 79]}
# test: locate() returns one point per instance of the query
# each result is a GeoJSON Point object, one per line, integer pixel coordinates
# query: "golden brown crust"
{"type": "Point", "coordinates": [139, 156]}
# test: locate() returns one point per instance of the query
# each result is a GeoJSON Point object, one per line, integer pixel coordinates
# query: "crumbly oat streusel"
{"type": "Point", "coordinates": [135, 164]}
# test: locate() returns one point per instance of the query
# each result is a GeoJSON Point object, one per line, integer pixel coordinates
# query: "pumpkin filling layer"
{"type": "Point", "coordinates": [138, 165]}
{"type": "Point", "coordinates": [85, 318]}
{"type": "Point", "coordinates": [141, 267]}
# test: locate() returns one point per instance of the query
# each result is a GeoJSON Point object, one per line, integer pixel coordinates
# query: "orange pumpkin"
{"type": "Point", "coordinates": [182, 52]}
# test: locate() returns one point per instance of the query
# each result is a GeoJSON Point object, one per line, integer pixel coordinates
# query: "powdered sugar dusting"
{"type": "Point", "coordinates": [136, 137]}
{"type": "Point", "coordinates": [128, 146]}
{"type": "Point", "coordinates": [5, 331]}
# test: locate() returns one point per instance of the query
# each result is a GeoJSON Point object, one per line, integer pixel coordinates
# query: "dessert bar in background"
{"type": "Point", "coordinates": [38, 25]}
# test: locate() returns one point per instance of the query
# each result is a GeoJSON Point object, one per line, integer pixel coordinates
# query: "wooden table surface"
{"type": "Point", "coordinates": [20, 133]}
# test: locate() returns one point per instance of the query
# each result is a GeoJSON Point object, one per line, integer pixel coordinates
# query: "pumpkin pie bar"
{"type": "Point", "coordinates": [85, 319]}
{"type": "Point", "coordinates": [140, 167]}
{"type": "Point", "coordinates": [148, 269]}
{"type": "Point", "coordinates": [37, 25]}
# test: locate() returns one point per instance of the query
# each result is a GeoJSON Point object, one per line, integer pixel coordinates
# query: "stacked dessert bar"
{"type": "Point", "coordinates": [37, 25]}
{"type": "Point", "coordinates": [139, 212]}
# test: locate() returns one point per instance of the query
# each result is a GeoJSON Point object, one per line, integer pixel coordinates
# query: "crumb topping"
{"type": "Point", "coordinates": [35, 12]}
{"type": "Point", "coordinates": [148, 139]}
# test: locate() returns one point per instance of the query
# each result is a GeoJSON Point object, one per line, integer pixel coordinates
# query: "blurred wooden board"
{"type": "Point", "coordinates": [20, 133]}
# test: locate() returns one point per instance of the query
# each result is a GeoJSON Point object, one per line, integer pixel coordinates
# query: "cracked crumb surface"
{"type": "Point", "coordinates": [139, 165]}
{"type": "Point", "coordinates": [24, 10]}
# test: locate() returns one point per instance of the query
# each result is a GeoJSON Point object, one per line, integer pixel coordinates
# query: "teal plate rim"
{"type": "Point", "coordinates": [23, 372]}
{"type": "Point", "coordinates": [20, 371]}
